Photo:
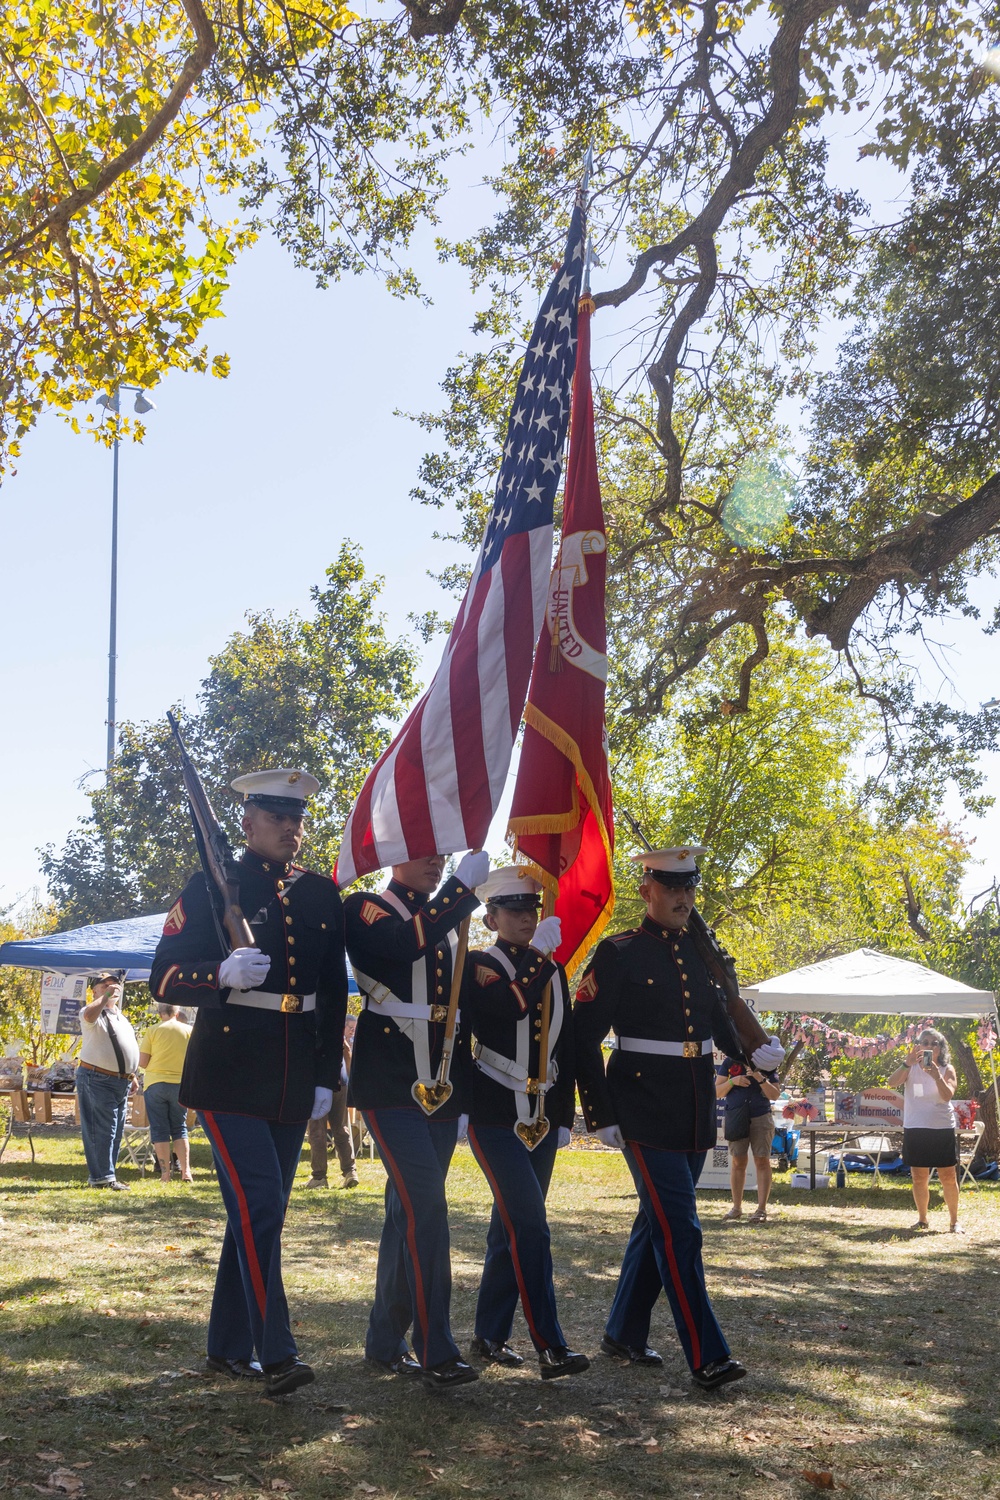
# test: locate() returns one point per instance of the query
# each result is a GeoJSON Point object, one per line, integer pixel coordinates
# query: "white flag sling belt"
{"type": "Point", "coordinates": [431, 1093]}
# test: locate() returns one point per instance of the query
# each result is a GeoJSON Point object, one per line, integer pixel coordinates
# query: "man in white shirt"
{"type": "Point", "coordinates": [109, 1057]}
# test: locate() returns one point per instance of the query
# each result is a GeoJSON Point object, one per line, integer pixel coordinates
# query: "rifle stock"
{"type": "Point", "coordinates": [214, 849]}
{"type": "Point", "coordinates": [748, 1029]}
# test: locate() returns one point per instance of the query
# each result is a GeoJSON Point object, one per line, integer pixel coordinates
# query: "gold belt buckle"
{"type": "Point", "coordinates": [692, 1049]}
{"type": "Point", "coordinates": [532, 1085]}
{"type": "Point", "coordinates": [291, 1004]}
{"type": "Point", "coordinates": [439, 1013]}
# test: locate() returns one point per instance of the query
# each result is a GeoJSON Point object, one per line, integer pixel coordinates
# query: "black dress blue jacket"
{"type": "Point", "coordinates": [650, 982]}
{"type": "Point", "coordinates": [262, 1063]}
{"type": "Point", "coordinates": [495, 1006]}
{"type": "Point", "coordinates": [403, 940]}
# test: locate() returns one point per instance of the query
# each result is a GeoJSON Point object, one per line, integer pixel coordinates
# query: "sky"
{"type": "Point", "coordinates": [241, 494]}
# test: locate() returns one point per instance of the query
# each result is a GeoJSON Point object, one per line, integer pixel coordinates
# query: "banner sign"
{"type": "Point", "coordinates": [63, 998]}
{"type": "Point", "coordinates": [880, 1108]}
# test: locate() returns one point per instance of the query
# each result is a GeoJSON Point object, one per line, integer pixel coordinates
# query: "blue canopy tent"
{"type": "Point", "coordinates": [126, 946]}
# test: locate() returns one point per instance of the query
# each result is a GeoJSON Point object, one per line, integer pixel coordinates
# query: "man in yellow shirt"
{"type": "Point", "coordinates": [161, 1058]}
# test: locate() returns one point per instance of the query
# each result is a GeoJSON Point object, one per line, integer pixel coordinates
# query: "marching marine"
{"type": "Point", "coordinates": [521, 1113]}
{"type": "Point", "coordinates": [264, 1056]}
{"type": "Point", "coordinates": [656, 1101]}
{"type": "Point", "coordinates": [402, 943]}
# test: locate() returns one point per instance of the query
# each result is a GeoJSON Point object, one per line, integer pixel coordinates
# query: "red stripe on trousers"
{"type": "Point", "coordinates": [512, 1237]}
{"type": "Point", "coordinates": [668, 1241]}
{"type": "Point", "coordinates": [411, 1230]}
{"type": "Point", "coordinates": [260, 1291]}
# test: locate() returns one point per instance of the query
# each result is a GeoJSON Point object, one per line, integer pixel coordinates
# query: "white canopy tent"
{"type": "Point", "coordinates": [867, 982]}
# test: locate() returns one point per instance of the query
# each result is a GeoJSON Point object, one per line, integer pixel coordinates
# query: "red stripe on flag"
{"type": "Point", "coordinates": [518, 622]}
{"type": "Point", "coordinates": [467, 727]}
{"type": "Point", "coordinates": [413, 812]}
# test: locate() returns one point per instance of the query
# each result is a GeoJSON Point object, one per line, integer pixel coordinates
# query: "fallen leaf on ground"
{"type": "Point", "coordinates": [822, 1479]}
{"type": "Point", "coordinates": [281, 1484]}
{"type": "Point", "coordinates": [765, 1474]}
{"type": "Point", "coordinates": [369, 1489]}
{"type": "Point", "coordinates": [171, 1247]}
{"type": "Point", "coordinates": [421, 1453]}
{"type": "Point", "coordinates": [64, 1482]}
{"type": "Point", "coordinates": [49, 1458]}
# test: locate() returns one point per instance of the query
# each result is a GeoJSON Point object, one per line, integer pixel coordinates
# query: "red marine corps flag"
{"type": "Point", "coordinates": [561, 816]}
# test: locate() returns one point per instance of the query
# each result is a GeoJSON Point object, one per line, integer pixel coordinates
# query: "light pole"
{"type": "Point", "coordinates": [112, 404]}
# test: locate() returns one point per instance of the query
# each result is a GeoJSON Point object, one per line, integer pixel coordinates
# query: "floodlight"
{"type": "Point", "coordinates": [142, 406]}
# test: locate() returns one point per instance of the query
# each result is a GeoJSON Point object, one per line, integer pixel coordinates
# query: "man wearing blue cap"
{"type": "Point", "coordinates": [264, 1056]}
{"type": "Point", "coordinates": [656, 1102]}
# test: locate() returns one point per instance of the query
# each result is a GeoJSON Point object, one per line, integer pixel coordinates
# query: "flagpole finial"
{"type": "Point", "coordinates": [588, 167]}
{"type": "Point", "coordinates": [588, 261]}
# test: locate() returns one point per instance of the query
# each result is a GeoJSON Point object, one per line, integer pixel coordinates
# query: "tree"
{"type": "Point", "coordinates": [805, 861]}
{"type": "Point", "coordinates": [20, 994]}
{"type": "Point", "coordinates": [710, 125]}
{"type": "Point", "coordinates": [319, 692]}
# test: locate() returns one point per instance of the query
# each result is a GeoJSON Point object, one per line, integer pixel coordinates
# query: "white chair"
{"type": "Point", "coordinates": [979, 1130]}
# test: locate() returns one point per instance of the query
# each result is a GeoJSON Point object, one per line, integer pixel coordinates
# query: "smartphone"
{"type": "Point", "coordinates": [928, 1057]}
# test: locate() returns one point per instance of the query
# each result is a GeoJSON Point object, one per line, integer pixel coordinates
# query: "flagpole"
{"type": "Point", "coordinates": [533, 1131]}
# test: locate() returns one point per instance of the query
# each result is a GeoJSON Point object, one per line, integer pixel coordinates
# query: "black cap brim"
{"type": "Point", "coordinates": [683, 880]}
{"type": "Point", "coordinates": [516, 903]}
{"type": "Point", "coordinates": [294, 805]}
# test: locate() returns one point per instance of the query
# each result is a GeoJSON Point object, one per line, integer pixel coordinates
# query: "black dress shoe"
{"type": "Point", "coordinates": [445, 1376]}
{"type": "Point", "coordinates": [497, 1354]}
{"type": "Point", "coordinates": [646, 1356]}
{"type": "Point", "coordinates": [281, 1380]}
{"type": "Point", "coordinates": [719, 1372]}
{"type": "Point", "coordinates": [561, 1361]}
{"type": "Point", "coordinates": [237, 1369]}
{"type": "Point", "coordinates": [404, 1365]}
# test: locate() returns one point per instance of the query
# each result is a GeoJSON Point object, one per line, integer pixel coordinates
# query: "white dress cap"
{"type": "Point", "coordinates": [286, 785]}
{"type": "Point", "coordinates": [681, 861]}
{"type": "Point", "coordinates": [511, 880]}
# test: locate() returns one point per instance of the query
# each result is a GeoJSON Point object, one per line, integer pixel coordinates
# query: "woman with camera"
{"type": "Point", "coordinates": [929, 1141]}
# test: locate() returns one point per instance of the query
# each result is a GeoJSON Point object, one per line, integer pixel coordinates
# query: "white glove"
{"type": "Point", "coordinates": [769, 1055]}
{"type": "Point", "coordinates": [463, 1127]}
{"type": "Point", "coordinates": [322, 1104]}
{"type": "Point", "coordinates": [611, 1136]}
{"type": "Point", "coordinates": [244, 969]}
{"type": "Point", "coordinates": [473, 868]}
{"type": "Point", "coordinates": [548, 935]}
{"type": "Point", "coordinates": [565, 1136]}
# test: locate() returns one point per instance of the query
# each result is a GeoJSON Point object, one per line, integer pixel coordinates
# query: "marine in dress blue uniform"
{"type": "Point", "coordinates": [657, 1102]}
{"type": "Point", "coordinates": [265, 1052]}
{"type": "Point", "coordinates": [507, 987]}
{"type": "Point", "coordinates": [402, 943]}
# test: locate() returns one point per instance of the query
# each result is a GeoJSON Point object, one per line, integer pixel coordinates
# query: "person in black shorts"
{"type": "Point", "coordinates": [748, 1094]}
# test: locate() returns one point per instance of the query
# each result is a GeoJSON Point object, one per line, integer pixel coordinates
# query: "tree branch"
{"type": "Point", "coordinates": [742, 171]}
{"type": "Point", "coordinates": [82, 197]}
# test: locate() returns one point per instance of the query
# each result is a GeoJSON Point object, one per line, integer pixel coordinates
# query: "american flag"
{"type": "Point", "coordinates": [437, 786]}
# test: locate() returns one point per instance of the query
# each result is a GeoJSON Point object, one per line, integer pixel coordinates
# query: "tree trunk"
{"type": "Point", "coordinates": [989, 1146]}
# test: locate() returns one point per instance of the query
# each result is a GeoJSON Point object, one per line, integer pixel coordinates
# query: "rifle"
{"type": "Point", "coordinates": [744, 1023]}
{"type": "Point", "coordinates": [215, 851]}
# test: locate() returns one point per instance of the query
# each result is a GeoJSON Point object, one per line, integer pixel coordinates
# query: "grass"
{"type": "Point", "coordinates": [873, 1353]}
